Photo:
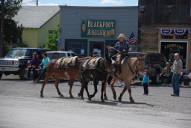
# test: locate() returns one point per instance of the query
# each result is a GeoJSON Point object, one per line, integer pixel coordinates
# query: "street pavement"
{"type": "Point", "coordinates": [22, 107]}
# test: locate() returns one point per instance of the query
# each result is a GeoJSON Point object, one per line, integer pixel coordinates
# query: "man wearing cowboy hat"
{"type": "Point", "coordinates": [122, 44]}
{"type": "Point", "coordinates": [123, 47]}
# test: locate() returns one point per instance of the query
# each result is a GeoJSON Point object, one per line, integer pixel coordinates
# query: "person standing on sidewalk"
{"type": "Point", "coordinates": [176, 69]}
{"type": "Point", "coordinates": [145, 82]}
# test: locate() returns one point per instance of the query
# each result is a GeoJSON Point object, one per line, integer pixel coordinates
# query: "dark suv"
{"type": "Point", "coordinates": [154, 62]}
{"type": "Point", "coordinates": [15, 61]}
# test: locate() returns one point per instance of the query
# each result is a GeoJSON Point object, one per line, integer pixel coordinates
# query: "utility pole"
{"type": "Point", "coordinates": [36, 2]}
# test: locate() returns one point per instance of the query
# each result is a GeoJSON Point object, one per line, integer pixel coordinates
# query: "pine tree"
{"type": "Point", "coordinates": [8, 9]}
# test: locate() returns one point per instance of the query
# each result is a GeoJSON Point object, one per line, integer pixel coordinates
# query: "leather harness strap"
{"type": "Point", "coordinates": [131, 69]}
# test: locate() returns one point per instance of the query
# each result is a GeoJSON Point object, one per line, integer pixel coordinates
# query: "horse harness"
{"type": "Point", "coordinates": [131, 68]}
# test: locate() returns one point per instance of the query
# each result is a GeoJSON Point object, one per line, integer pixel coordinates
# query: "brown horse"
{"type": "Point", "coordinates": [61, 71]}
{"type": "Point", "coordinates": [130, 67]}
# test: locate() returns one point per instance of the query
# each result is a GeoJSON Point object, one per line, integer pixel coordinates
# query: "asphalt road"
{"type": "Point", "coordinates": [22, 107]}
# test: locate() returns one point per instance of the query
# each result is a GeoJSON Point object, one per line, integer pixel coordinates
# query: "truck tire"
{"type": "Point", "coordinates": [23, 75]}
{"type": "Point", "coordinates": [1, 75]}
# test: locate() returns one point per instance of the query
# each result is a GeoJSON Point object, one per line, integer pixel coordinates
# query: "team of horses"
{"type": "Point", "coordinates": [94, 69]}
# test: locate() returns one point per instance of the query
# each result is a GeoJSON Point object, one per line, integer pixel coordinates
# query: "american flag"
{"type": "Point", "coordinates": [132, 39]}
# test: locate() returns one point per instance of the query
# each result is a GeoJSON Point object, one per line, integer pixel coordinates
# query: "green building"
{"type": "Point", "coordinates": [38, 23]}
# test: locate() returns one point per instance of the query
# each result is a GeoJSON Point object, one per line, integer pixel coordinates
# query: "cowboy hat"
{"type": "Point", "coordinates": [122, 36]}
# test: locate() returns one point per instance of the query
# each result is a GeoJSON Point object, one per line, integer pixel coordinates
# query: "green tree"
{"type": "Point", "coordinates": [53, 39]}
{"type": "Point", "coordinates": [8, 28]}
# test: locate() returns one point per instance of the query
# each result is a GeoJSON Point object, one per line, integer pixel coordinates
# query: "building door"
{"type": "Point", "coordinates": [169, 48]}
{"type": "Point", "coordinates": [97, 46]}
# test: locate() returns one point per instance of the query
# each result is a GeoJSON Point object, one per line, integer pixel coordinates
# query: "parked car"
{"type": "Point", "coordinates": [15, 61]}
{"type": "Point", "coordinates": [59, 54]}
{"type": "Point", "coordinates": [154, 62]}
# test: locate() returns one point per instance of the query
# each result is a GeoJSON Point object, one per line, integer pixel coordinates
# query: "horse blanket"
{"type": "Point", "coordinates": [67, 62]}
{"type": "Point", "coordinates": [92, 63]}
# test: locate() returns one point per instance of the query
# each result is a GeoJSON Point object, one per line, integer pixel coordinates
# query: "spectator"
{"type": "Point", "coordinates": [176, 69]}
{"type": "Point", "coordinates": [43, 65]}
{"type": "Point", "coordinates": [166, 74]}
{"type": "Point", "coordinates": [35, 62]}
{"type": "Point", "coordinates": [187, 78]}
{"type": "Point", "coordinates": [145, 82]}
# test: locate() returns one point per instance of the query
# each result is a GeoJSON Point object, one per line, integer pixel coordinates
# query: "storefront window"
{"type": "Point", "coordinates": [79, 46]}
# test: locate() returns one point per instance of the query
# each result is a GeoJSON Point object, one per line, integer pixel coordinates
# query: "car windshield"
{"type": "Point", "coordinates": [16, 53]}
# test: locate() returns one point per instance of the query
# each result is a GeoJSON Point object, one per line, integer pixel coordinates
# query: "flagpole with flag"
{"type": "Point", "coordinates": [132, 39]}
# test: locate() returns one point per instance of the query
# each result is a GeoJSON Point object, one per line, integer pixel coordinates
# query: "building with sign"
{"type": "Point", "coordinates": [88, 29]}
{"type": "Point", "coordinates": [165, 27]}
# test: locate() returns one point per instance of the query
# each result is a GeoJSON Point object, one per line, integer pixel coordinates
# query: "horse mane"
{"type": "Point", "coordinates": [133, 60]}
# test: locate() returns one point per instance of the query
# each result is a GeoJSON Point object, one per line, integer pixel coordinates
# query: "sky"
{"type": "Point", "coordinates": [83, 2]}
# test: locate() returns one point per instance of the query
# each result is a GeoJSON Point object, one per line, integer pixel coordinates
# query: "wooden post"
{"type": "Point", "coordinates": [36, 2]}
{"type": "Point", "coordinates": [2, 27]}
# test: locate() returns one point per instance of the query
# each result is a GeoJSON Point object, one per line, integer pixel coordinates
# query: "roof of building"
{"type": "Point", "coordinates": [35, 16]}
{"type": "Point", "coordinates": [98, 7]}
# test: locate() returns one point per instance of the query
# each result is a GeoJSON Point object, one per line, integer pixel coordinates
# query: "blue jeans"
{"type": "Point", "coordinates": [176, 83]}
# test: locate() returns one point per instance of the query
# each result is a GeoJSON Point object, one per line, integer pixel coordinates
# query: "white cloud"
{"type": "Point", "coordinates": [115, 2]}
{"type": "Point", "coordinates": [33, 3]}
{"type": "Point", "coordinates": [29, 2]}
{"type": "Point", "coordinates": [48, 4]}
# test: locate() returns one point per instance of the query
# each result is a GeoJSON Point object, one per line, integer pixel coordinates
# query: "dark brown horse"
{"type": "Point", "coordinates": [95, 69]}
{"type": "Point", "coordinates": [60, 71]}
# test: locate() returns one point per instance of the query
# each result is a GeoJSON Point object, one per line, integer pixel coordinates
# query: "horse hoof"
{"type": "Point", "coordinates": [71, 97]}
{"type": "Point", "coordinates": [41, 96]}
{"type": "Point", "coordinates": [105, 98]}
{"type": "Point", "coordinates": [114, 97]}
{"type": "Point", "coordinates": [79, 95]}
{"type": "Point", "coordinates": [131, 100]}
{"type": "Point", "coordinates": [61, 95]}
{"type": "Point", "coordinates": [102, 100]}
{"type": "Point", "coordinates": [89, 99]}
{"type": "Point", "coordinates": [119, 99]}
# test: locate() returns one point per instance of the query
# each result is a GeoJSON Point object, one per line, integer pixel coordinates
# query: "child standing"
{"type": "Point", "coordinates": [145, 82]}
